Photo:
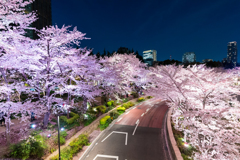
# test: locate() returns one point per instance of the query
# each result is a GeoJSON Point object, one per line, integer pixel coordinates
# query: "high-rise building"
{"type": "Point", "coordinates": [224, 60]}
{"type": "Point", "coordinates": [149, 56]}
{"type": "Point", "coordinates": [206, 60]}
{"type": "Point", "coordinates": [232, 53]}
{"type": "Point", "coordinates": [44, 14]}
{"type": "Point", "coordinates": [189, 57]}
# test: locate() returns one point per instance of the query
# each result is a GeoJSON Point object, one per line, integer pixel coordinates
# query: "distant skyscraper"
{"type": "Point", "coordinates": [150, 56]}
{"type": "Point", "coordinates": [189, 57]}
{"type": "Point", "coordinates": [206, 60]}
{"type": "Point", "coordinates": [170, 57]}
{"type": "Point", "coordinates": [224, 60]}
{"type": "Point", "coordinates": [44, 14]}
{"type": "Point", "coordinates": [232, 53]}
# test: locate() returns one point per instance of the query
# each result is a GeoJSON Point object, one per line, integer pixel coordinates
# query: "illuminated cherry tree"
{"type": "Point", "coordinates": [13, 22]}
{"type": "Point", "coordinates": [127, 68]}
{"type": "Point", "coordinates": [205, 108]}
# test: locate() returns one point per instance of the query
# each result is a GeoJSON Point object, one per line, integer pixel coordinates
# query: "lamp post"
{"type": "Point", "coordinates": [59, 138]}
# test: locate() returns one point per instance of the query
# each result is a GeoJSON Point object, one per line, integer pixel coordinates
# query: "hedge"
{"type": "Point", "coordinates": [70, 120]}
{"type": "Point", "coordinates": [110, 103]}
{"type": "Point", "coordinates": [141, 99]}
{"type": "Point", "coordinates": [121, 109]}
{"type": "Point", "coordinates": [128, 105]}
{"type": "Point", "coordinates": [101, 108]}
{"type": "Point", "coordinates": [74, 147]}
{"type": "Point", "coordinates": [104, 119]}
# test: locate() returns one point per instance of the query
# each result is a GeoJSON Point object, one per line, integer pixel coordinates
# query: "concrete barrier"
{"type": "Point", "coordinates": [176, 151]}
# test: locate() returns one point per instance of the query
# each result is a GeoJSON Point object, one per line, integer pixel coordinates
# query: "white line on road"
{"type": "Point", "coordinates": [117, 132]}
{"type": "Point", "coordinates": [137, 121]}
{"type": "Point", "coordinates": [105, 156]}
{"type": "Point", "coordinates": [135, 128]}
{"type": "Point", "coordinates": [127, 112]}
{"type": "Point", "coordinates": [119, 120]}
{"type": "Point", "coordinates": [142, 114]}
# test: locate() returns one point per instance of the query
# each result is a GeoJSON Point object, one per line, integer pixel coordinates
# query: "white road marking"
{"type": "Point", "coordinates": [137, 121]}
{"type": "Point", "coordinates": [127, 112]}
{"type": "Point", "coordinates": [96, 143]}
{"type": "Point", "coordinates": [87, 155]}
{"type": "Point", "coordinates": [135, 128]}
{"type": "Point", "coordinates": [119, 120]}
{"type": "Point", "coordinates": [117, 132]}
{"type": "Point", "coordinates": [142, 114]}
{"type": "Point", "coordinates": [105, 156]}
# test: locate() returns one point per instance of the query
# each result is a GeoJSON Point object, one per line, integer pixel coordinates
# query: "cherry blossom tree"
{"type": "Point", "coordinates": [52, 63]}
{"type": "Point", "coordinates": [128, 69]}
{"type": "Point", "coordinates": [13, 22]}
{"type": "Point", "coordinates": [200, 98]}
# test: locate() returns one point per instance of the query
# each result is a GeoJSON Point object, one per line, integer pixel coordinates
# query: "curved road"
{"type": "Point", "coordinates": [139, 134]}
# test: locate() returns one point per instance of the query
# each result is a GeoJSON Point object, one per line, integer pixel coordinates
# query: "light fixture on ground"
{"type": "Point", "coordinates": [33, 125]}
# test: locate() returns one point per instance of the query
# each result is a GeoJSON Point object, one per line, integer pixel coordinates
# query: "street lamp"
{"type": "Point", "coordinates": [59, 138]}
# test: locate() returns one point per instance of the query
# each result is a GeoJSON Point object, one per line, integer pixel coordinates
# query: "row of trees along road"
{"type": "Point", "coordinates": [203, 101]}
{"type": "Point", "coordinates": [36, 67]}
{"type": "Point", "coordinates": [204, 105]}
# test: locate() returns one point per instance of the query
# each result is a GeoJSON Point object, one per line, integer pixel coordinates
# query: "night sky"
{"type": "Point", "coordinates": [172, 27]}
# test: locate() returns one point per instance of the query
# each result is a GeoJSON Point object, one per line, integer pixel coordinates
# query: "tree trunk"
{"type": "Point", "coordinates": [68, 113]}
{"type": "Point", "coordinates": [46, 118]}
{"type": "Point", "coordinates": [84, 104]}
{"type": "Point", "coordinates": [7, 123]}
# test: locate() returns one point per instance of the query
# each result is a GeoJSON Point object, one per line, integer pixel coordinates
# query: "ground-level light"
{"type": "Point", "coordinates": [62, 129]}
{"type": "Point", "coordinates": [85, 116]}
{"type": "Point", "coordinates": [49, 135]}
{"type": "Point", "coordinates": [33, 126]}
{"type": "Point", "coordinates": [186, 144]}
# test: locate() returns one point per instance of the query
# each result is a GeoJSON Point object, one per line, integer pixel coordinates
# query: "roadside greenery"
{"type": "Point", "coordinates": [74, 147]}
{"type": "Point", "coordinates": [63, 135]}
{"type": "Point", "coordinates": [33, 147]}
{"type": "Point", "coordinates": [186, 150]}
{"type": "Point", "coordinates": [71, 120]}
{"type": "Point", "coordinates": [141, 99]}
{"type": "Point", "coordinates": [90, 118]}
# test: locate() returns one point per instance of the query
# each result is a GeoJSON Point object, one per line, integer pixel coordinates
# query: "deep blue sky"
{"type": "Point", "coordinates": [172, 27]}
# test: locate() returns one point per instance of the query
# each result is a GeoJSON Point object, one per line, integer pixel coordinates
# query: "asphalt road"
{"type": "Point", "coordinates": [137, 135]}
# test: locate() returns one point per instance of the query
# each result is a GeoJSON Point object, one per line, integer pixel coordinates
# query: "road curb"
{"type": "Point", "coordinates": [171, 136]}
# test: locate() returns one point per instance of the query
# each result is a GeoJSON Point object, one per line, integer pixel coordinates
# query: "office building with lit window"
{"type": "Point", "coordinates": [44, 14]}
{"type": "Point", "coordinates": [149, 57]}
{"type": "Point", "coordinates": [206, 60]}
{"type": "Point", "coordinates": [232, 53]}
{"type": "Point", "coordinates": [189, 57]}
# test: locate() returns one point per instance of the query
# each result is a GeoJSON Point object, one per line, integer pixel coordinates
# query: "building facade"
{"type": "Point", "coordinates": [149, 57]}
{"type": "Point", "coordinates": [224, 60]}
{"type": "Point", "coordinates": [206, 60]}
{"type": "Point", "coordinates": [44, 14]}
{"type": "Point", "coordinates": [189, 57]}
{"type": "Point", "coordinates": [232, 53]}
